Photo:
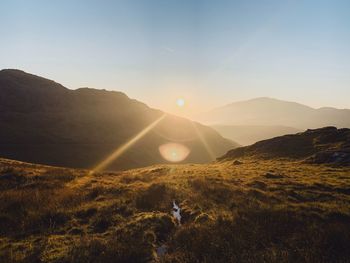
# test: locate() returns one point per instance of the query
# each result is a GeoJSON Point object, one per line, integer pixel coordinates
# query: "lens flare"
{"type": "Point", "coordinates": [174, 152]}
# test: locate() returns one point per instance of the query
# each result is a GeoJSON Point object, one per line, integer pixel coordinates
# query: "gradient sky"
{"type": "Point", "coordinates": [209, 52]}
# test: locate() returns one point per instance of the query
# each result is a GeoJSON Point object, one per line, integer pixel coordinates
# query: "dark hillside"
{"type": "Point", "coordinates": [43, 122]}
{"type": "Point", "coordinates": [324, 145]}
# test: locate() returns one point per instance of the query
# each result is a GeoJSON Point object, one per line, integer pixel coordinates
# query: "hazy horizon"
{"type": "Point", "coordinates": [208, 53]}
{"type": "Point", "coordinates": [234, 158]}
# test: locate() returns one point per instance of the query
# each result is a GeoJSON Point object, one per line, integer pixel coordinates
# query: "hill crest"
{"type": "Point", "coordinates": [323, 145]}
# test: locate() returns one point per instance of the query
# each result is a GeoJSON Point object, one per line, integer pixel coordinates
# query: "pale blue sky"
{"type": "Point", "coordinates": [209, 52]}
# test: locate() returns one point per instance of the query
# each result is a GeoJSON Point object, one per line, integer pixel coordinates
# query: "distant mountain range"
{"type": "Point", "coordinates": [249, 134]}
{"type": "Point", "coordinates": [249, 121]}
{"type": "Point", "coordinates": [41, 121]}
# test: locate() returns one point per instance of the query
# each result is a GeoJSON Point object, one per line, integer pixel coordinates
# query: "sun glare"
{"type": "Point", "coordinates": [180, 102]}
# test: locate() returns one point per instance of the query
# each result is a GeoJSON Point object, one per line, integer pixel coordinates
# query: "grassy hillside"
{"type": "Point", "coordinates": [325, 145]}
{"type": "Point", "coordinates": [243, 210]}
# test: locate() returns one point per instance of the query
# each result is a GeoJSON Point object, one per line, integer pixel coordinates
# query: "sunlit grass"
{"type": "Point", "coordinates": [283, 211]}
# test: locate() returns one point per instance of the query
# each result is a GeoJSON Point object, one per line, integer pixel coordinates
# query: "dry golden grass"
{"type": "Point", "coordinates": [248, 211]}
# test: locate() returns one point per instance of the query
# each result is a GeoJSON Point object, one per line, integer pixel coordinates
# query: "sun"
{"type": "Point", "coordinates": [180, 102]}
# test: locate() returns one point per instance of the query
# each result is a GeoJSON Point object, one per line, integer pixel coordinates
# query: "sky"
{"type": "Point", "coordinates": [208, 53]}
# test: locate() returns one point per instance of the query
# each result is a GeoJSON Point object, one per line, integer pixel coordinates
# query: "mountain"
{"type": "Point", "coordinates": [325, 145]}
{"type": "Point", "coordinates": [269, 118]}
{"type": "Point", "coordinates": [249, 134]}
{"type": "Point", "coordinates": [267, 111]}
{"type": "Point", "coordinates": [41, 121]}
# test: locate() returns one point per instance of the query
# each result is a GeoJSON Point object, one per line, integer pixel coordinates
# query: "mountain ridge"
{"type": "Point", "coordinates": [266, 100]}
{"type": "Point", "coordinates": [270, 111]}
{"type": "Point", "coordinates": [269, 117]}
{"type": "Point", "coordinates": [44, 122]}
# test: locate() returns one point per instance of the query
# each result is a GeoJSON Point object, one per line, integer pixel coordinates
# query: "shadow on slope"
{"type": "Point", "coordinates": [43, 122]}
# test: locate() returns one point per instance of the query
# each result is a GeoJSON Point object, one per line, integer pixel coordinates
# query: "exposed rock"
{"type": "Point", "coordinates": [237, 162]}
{"type": "Point", "coordinates": [336, 157]}
{"type": "Point", "coordinates": [273, 176]}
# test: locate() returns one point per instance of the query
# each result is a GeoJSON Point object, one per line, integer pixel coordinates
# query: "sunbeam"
{"type": "Point", "coordinates": [120, 150]}
{"type": "Point", "coordinates": [204, 142]}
